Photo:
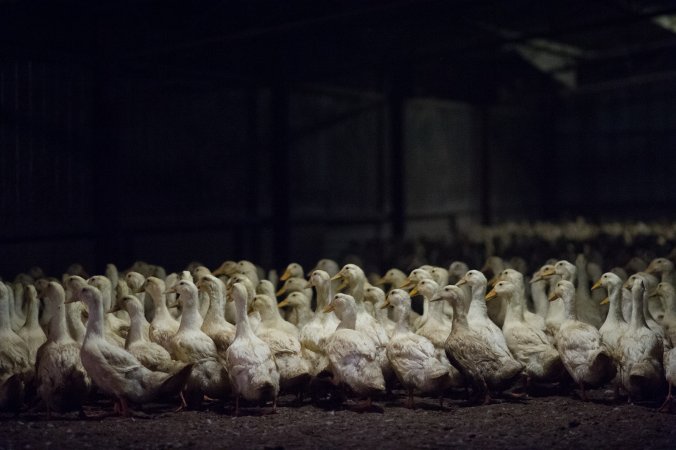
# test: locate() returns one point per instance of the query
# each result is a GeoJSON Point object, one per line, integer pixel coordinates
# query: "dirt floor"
{"type": "Point", "coordinates": [546, 421]}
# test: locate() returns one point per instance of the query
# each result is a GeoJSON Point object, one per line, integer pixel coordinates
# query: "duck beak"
{"type": "Point", "coordinates": [605, 301]}
{"type": "Point", "coordinates": [330, 307]}
{"type": "Point", "coordinates": [171, 290]}
{"type": "Point", "coordinates": [435, 298]}
{"type": "Point", "coordinates": [379, 282]}
{"type": "Point", "coordinates": [283, 303]}
{"type": "Point", "coordinates": [491, 295]}
{"type": "Point", "coordinates": [407, 284]}
{"type": "Point", "coordinates": [597, 285]}
{"type": "Point", "coordinates": [548, 273]}
{"type": "Point", "coordinates": [536, 278]}
{"type": "Point", "coordinates": [309, 284]}
{"type": "Point", "coordinates": [461, 281]}
{"type": "Point", "coordinates": [493, 281]}
{"type": "Point", "coordinates": [285, 276]}
{"type": "Point", "coordinates": [553, 296]}
{"type": "Point", "coordinates": [343, 284]}
{"type": "Point", "coordinates": [413, 292]}
{"type": "Point", "coordinates": [385, 305]}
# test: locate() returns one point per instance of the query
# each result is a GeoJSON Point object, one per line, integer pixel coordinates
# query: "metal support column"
{"type": "Point", "coordinates": [279, 153]}
{"type": "Point", "coordinates": [396, 111]}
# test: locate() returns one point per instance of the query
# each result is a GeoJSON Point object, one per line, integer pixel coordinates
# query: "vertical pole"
{"type": "Point", "coordinates": [253, 250]}
{"type": "Point", "coordinates": [279, 152]}
{"type": "Point", "coordinates": [105, 148]}
{"type": "Point", "coordinates": [395, 107]}
{"type": "Point", "coordinates": [484, 177]}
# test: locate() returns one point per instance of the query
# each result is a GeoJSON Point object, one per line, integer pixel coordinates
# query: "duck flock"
{"type": "Point", "coordinates": [200, 335]}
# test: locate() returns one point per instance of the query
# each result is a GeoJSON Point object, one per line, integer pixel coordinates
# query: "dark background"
{"type": "Point", "coordinates": [277, 131]}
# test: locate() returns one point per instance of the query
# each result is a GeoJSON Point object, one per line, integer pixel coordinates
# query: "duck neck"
{"type": "Point", "coordinates": [402, 312]}
{"type": "Point", "coordinates": [95, 322]}
{"type": "Point", "coordinates": [19, 291]}
{"type": "Point", "coordinates": [135, 326]}
{"type": "Point", "coordinates": [5, 320]}
{"type": "Point", "coordinates": [106, 297]}
{"type": "Point", "coordinates": [323, 295]}
{"type": "Point", "coordinates": [380, 314]}
{"type": "Point", "coordinates": [514, 308]}
{"type": "Point", "coordinates": [460, 317]}
{"type": "Point", "coordinates": [478, 303]}
{"type": "Point", "coordinates": [647, 315]}
{"type": "Point", "coordinates": [348, 319]}
{"type": "Point", "coordinates": [569, 308]}
{"type": "Point", "coordinates": [615, 304]}
{"type": "Point", "coordinates": [33, 313]}
{"type": "Point", "coordinates": [540, 302]}
{"type": "Point", "coordinates": [57, 325]}
{"type": "Point", "coordinates": [216, 311]}
{"type": "Point", "coordinates": [637, 317]}
{"type": "Point", "coordinates": [357, 292]}
{"type": "Point", "coordinates": [191, 319]}
{"type": "Point", "coordinates": [243, 328]}
{"type": "Point", "coordinates": [669, 305]}
{"type": "Point", "coordinates": [161, 310]}
{"type": "Point", "coordinates": [426, 310]}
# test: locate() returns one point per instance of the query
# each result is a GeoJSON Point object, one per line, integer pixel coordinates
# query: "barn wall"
{"type": "Point", "coordinates": [615, 152]}
{"type": "Point", "coordinates": [188, 171]}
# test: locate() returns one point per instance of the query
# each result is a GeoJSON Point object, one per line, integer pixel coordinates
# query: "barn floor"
{"type": "Point", "coordinates": [550, 421]}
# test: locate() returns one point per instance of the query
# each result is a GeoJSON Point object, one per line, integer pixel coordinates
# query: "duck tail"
{"type": "Point", "coordinates": [603, 366]}
{"type": "Point", "coordinates": [174, 383]}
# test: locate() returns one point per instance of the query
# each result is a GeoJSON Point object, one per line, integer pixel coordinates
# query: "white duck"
{"type": "Point", "coordinates": [62, 381]}
{"type": "Point", "coordinates": [314, 334]}
{"type": "Point", "coordinates": [116, 328]}
{"type": "Point", "coordinates": [413, 357]}
{"type": "Point", "coordinates": [665, 291]}
{"type": "Point", "coordinates": [393, 278]}
{"type": "Point", "coordinates": [376, 297]}
{"type": "Point", "coordinates": [163, 326]}
{"type": "Point", "coordinates": [352, 354]}
{"type": "Point", "coordinates": [294, 370]}
{"type": "Point", "coordinates": [299, 304]}
{"type": "Point", "coordinates": [32, 332]}
{"type": "Point", "coordinates": [477, 315]}
{"type": "Point", "coordinates": [642, 351]}
{"type": "Point", "coordinates": [354, 281]}
{"type": "Point", "coordinates": [516, 278]}
{"type": "Point", "coordinates": [496, 309]}
{"type": "Point", "coordinates": [527, 343]}
{"type": "Point", "coordinates": [614, 326]}
{"type": "Point", "coordinates": [14, 358]}
{"type": "Point", "coordinates": [214, 325]}
{"type": "Point", "coordinates": [293, 270]}
{"type": "Point", "coordinates": [650, 283]}
{"type": "Point", "coordinates": [585, 357]}
{"type": "Point", "coordinates": [153, 356]}
{"type": "Point", "coordinates": [114, 370]}
{"type": "Point", "coordinates": [472, 355]}
{"type": "Point", "coordinates": [664, 268]}
{"type": "Point", "coordinates": [75, 310]}
{"type": "Point", "coordinates": [431, 327]}
{"type": "Point", "coordinates": [191, 345]}
{"type": "Point", "coordinates": [251, 366]}
{"type": "Point", "coordinates": [670, 374]}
